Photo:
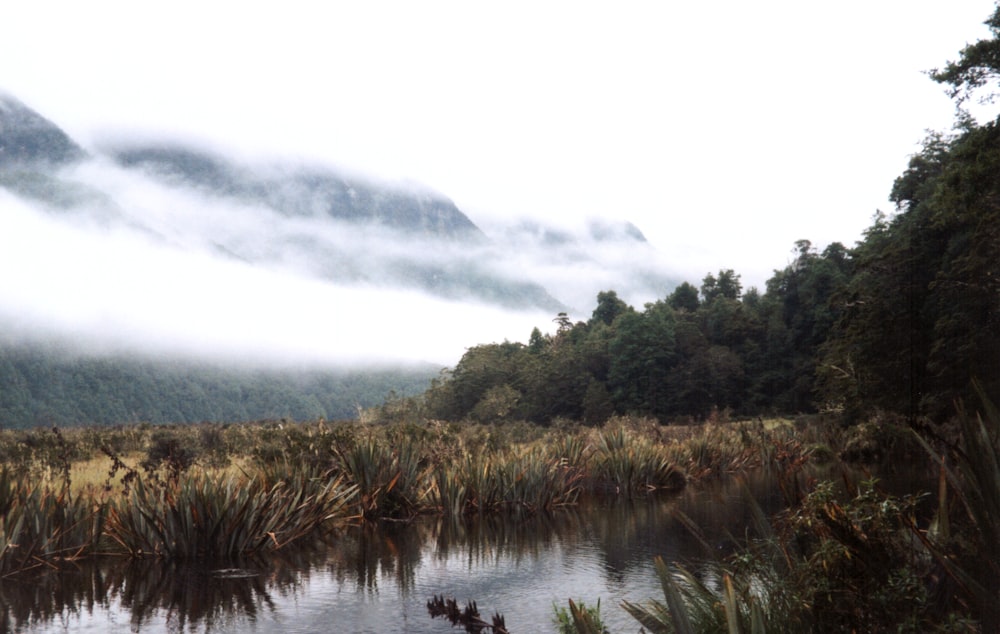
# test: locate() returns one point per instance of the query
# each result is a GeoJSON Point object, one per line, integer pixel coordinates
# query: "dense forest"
{"type": "Point", "coordinates": [902, 322]}
{"type": "Point", "coordinates": [41, 386]}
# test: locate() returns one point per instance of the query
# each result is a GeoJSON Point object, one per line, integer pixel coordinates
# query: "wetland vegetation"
{"type": "Point", "coordinates": [888, 353]}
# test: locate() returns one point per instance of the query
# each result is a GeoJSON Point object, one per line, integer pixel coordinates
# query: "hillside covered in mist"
{"type": "Point", "coordinates": [314, 220]}
{"type": "Point", "coordinates": [139, 255]}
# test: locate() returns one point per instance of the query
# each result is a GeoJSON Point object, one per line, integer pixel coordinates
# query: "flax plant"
{"type": "Point", "coordinates": [973, 477]}
{"type": "Point", "coordinates": [224, 518]}
{"type": "Point", "coordinates": [627, 463]}
{"type": "Point", "coordinates": [41, 526]}
{"type": "Point", "coordinates": [392, 481]}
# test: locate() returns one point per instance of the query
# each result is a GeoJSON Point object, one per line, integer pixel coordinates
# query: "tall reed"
{"type": "Point", "coordinates": [40, 525]}
{"type": "Point", "coordinates": [392, 480]}
{"type": "Point", "coordinates": [628, 463]}
{"type": "Point", "coordinates": [972, 476]}
{"type": "Point", "coordinates": [222, 517]}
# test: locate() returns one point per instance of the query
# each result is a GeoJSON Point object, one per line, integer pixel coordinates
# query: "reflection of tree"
{"type": "Point", "coordinates": [626, 530]}
{"type": "Point", "coordinates": [185, 596]}
{"type": "Point", "coordinates": [483, 540]}
{"type": "Point", "coordinates": [623, 534]}
{"type": "Point", "coordinates": [366, 553]}
{"type": "Point", "coordinates": [630, 533]}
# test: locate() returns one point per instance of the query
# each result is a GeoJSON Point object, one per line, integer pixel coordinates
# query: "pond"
{"type": "Point", "coordinates": [379, 579]}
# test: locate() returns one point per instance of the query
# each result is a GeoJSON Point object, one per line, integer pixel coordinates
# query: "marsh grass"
{"type": "Point", "coordinates": [228, 491]}
{"type": "Point", "coordinates": [630, 463]}
{"type": "Point", "coordinates": [967, 546]}
{"type": "Point", "coordinates": [40, 526]}
{"type": "Point", "coordinates": [391, 479]}
{"type": "Point", "coordinates": [224, 518]}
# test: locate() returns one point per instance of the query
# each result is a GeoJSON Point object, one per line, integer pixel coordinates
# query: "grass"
{"type": "Point", "coordinates": [231, 491]}
{"type": "Point", "coordinates": [866, 562]}
{"type": "Point", "coordinates": [224, 518]}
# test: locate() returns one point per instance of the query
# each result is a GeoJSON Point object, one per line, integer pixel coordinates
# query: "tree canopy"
{"type": "Point", "coordinates": [904, 321]}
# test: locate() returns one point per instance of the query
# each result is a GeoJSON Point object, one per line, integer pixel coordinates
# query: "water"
{"type": "Point", "coordinates": [379, 580]}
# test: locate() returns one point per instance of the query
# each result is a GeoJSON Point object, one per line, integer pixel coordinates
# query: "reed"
{"type": "Point", "coordinates": [223, 518]}
{"type": "Point", "coordinates": [525, 480]}
{"type": "Point", "coordinates": [536, 481]}
{"type": "Point", "coordinates": [392, 480]}
{"type": "Point", "coordinates": [970, 472]}
{"type": "Point", "coordinates": [40, 525]}
{"type": "Point", "coordinates": [579, 619]}
{"type": "Point", "coordinates": [627, 463]}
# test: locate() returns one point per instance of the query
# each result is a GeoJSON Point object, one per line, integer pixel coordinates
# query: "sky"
{"type": "Point", "coordinates": [724, 130]}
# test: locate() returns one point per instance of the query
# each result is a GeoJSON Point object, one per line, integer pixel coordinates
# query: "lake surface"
{"type": "Point", "coordinates": [371, 579]}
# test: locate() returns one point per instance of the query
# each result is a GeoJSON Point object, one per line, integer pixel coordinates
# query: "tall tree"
{"type": "Point", "coordinates": [684, 297]}
{"type": "Point", "coordinates": [977, 66]}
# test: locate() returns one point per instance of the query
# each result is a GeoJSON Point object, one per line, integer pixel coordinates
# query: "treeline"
{"type": "Point", "coordinates": [901, 322]}
{"type": "Point", "coordinates": [40, 386]}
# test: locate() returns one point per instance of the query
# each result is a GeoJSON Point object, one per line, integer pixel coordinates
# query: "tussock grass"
{"type": "Point", "coordinates": [224, 518]}
{"type": "Point", "coordinates": [230, 491]}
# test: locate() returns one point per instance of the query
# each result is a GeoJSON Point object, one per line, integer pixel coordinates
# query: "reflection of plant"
{"type": "Point", "coordinates": [468, 617]}
{"type": "Point", "coordinates": [116, 585]}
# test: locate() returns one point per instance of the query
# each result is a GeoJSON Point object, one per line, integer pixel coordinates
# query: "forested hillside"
{"type": "Point", "coordinates": [902, 322]}
{"type": "Point", "coordinates": [41, 386]}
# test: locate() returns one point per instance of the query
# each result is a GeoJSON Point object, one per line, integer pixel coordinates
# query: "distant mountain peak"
{"type": "Point", "coordinates": [28, 137]}
{"type": "Point", "coordinates": [603, 230]}
{"type": "Point", "coordinates": [305, 190]}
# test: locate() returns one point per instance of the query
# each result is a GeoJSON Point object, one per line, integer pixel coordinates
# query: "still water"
{"type": "Point", "coordinates": [379, 580]}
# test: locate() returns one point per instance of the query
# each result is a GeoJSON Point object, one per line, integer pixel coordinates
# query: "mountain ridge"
{"type": "Point", "coordinates": [28, 137]}
{"type": "Point", "coordinates": [296, 220]}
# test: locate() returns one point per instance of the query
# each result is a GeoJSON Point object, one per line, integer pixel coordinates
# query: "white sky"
{"type": "Point", "coordinates": [724, 130]}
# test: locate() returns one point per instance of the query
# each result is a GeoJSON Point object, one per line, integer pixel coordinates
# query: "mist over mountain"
{"type": "Point", "coordinates": [342, 228]}
{"type": "Point", "coordinates": [303, 191]}
{"type": "Point", "coordinates": [165, 249]}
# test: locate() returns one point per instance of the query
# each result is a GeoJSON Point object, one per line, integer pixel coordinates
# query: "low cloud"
{"type": "Point", "coordinates": [120, 259]}
{"type": "Point", "coordinates": [127, 289]}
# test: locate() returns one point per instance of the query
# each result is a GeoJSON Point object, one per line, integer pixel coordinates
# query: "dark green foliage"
{"type": "Point", "coordinates": [726, 285]}
{"type": "Point", "coordinates": [922, 309]}
{"type": "Point", "coordinates": [675, 358]}
{"type": "Point", "coordinates": [684, 297]}
{"type": "Point", "coordinates": [40, 386]}
{"type": "Point", "coordinates": [642, 354]}
{"type": "Point", "coordinates": [609, 306]}
{"type": "Point", "coordinates": [978, 66]}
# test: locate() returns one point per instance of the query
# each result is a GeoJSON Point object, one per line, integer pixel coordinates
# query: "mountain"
{"type": "Point", "coordinates": [581, 260]}
{"type": "Point", "coordinates": [170, 248]}
{"type": "Point", "coordinates": [342, 228]}
{"type": "Point", "coordinates": [304, 191]}
{"type": "Point", "coordinates": [347, 229]}
{"type": "Point", "coordinates": [28, 137]}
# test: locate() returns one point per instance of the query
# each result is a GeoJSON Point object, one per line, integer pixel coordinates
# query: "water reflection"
{"type": "Point", "coordinates": [379, 578]}
{"type": "Point", "coordinates": [148, 594]}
